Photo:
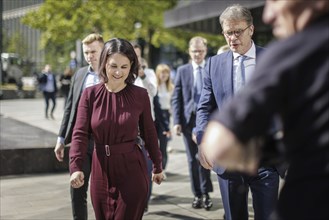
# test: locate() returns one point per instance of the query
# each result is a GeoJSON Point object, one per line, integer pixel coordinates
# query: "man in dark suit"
{"type": "Point", "coordinates": [87, 76]}
{"type": "Point", "coordinates": [188, 83]}
{"type": "Point", "coordinates": [48, 86]}
{"type": "Point", "coordinates": [291, 79]}
{"type": "Point", "coordinates": [226, 74]}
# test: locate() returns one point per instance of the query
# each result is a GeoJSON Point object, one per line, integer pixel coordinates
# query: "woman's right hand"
{"type": "Point", "coordinates": [157, 178]}
{"type": "Point", "coordinates": [77, 179]}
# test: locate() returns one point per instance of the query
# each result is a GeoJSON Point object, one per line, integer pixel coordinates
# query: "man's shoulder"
{"type": "Point", "coordinates": [83, 70]}
{"type": "Point", "coordinates": [184, 67]}
{"type": "Point", "coordinates": [151, 75]}
{"type": "Point", "coordinates": [219, 57]}
{"type": "Point", "coordinates": [93, 90]}
{"type": "Point", "coordinates": [149, 71]}
{"type": "Point", "coordinates": [260, 49]}
{"type": "Point", "coordinates": [80, 73]}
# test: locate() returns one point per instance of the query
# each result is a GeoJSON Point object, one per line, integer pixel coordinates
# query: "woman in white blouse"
{"type": "Point", "coordinates": [162, 109]}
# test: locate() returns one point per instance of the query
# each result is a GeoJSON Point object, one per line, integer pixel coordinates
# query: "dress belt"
{"type": "Point", "coordinates": [119, 148]}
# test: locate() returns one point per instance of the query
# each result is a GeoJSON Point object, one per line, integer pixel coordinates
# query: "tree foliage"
{"type": "Point", "coordinates": [62, 22]}
{"type": "Point", "coordinates": [14, 44]}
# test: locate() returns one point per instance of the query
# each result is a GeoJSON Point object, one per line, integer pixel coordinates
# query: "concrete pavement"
{"type": "Point", "coordinates": [46, 195]}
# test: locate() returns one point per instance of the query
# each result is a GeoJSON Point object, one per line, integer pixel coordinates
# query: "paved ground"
{"type": "Point", "coordinates": [46, 196]}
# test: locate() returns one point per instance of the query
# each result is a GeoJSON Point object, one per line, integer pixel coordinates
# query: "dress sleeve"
{"type": "Point", "coordinates": [79, 144]}
{"type": "Point", "coordinates": [149, 135]}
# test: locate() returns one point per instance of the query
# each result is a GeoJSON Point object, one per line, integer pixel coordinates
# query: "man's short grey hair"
{"type": "Point", "coordinates": [236, 12]}
{"type": "Point", "coordinates": [198, 39]}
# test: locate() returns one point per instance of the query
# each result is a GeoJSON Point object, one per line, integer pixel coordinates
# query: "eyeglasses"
{"type": "Point", "coordinates": [197, 51]}
{"type": "Point", "coordinates": [237, 33]}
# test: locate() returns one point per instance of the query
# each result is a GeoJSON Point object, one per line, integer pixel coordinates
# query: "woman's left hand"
{"type": "Point", "coordinates": [157, 178]}
{"type": "Point", "coordinates": [167, 134]}
{"type": "Point", "coordinates": [77, 179]}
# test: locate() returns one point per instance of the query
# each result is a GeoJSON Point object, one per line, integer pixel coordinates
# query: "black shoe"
{"type": "Point", "coordinates": [207, 203]}
{"type": "Point", "coordinates": [197, 203]}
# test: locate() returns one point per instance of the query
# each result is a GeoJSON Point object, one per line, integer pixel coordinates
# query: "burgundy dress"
{"type": "Point", "coordinates": [119, 182]}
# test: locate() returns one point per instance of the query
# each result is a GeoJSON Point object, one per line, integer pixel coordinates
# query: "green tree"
{"type": "Point", "coordinates": [15, 44]}
{"type": "Point", "coordinates": [63, 21]}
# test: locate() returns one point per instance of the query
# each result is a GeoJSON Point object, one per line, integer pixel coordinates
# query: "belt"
{"type": "Point", "coordinates": [114, 149]}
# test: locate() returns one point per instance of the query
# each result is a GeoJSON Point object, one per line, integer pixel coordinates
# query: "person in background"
{"type": "Point", "coordinates": [294, 85]}
{"type": "Point", "coordinates": [162, 115]}
{"type": "Point", "coordinates": [146, 76]}
{"type": "Point", "coordinates": [65, 81]}
{"type": "Point", "coordinates": [186, 95]}
{"type": "Point", "coordinates": [146, 79]}
{"type": "Point", "coordinates": [226, 75]}
{"type": "Point", "coordinates": [85, 77]}
{"type": "Point", "coordinates": [48, 86]}
{"type": "Point", "coordinates": [116, 111]}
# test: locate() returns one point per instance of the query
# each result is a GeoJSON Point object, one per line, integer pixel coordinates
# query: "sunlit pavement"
{"type": "Point", "coordinates": [46, 195]}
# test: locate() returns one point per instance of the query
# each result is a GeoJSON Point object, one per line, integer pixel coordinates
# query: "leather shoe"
{"type": "Point", "coordinates": [197, 203]}
{"type": "Point", "coordinates": [207, 203]}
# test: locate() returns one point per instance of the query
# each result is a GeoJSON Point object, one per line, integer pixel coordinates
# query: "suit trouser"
{"type": "Point", "coordinates": [264, 188]}
{"type": "Point", "coordinates": [149, 164]}
{"type": "Point", "coordinates": [79, 195]}
{"type": "Point", "coordinates": [200, 177]}
{"type": "Point", "coordinates": [49, 96]}
{"type": "Point", "coordinates": [163, 139]}
{"type": "Point", "coordinates": [223, 186]}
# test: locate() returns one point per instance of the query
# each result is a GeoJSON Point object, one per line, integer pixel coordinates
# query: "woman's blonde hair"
{"type": "Point", "coordinates": [164, 68]}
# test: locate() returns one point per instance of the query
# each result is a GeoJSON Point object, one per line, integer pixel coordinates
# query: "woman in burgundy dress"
{"type": "Point", "coordinates": [115, 112]}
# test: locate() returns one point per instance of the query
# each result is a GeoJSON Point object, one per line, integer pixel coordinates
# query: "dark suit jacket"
{"type": "Point", "coordinates": [42, 80]}
{"type": "Point", "coordinates": [71, 106]}
{"type": "Point", "coordinates": [182, 100]}
{"type": "Point", "coordinates": [160, 120]}
{"type": "Point", "coordinates": [217, 88]}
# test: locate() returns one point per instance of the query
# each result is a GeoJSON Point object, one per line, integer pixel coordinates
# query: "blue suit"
{"type": "Point", "coordinates": [184, 108]}
{"type": "Point", "coordinates": [217, 89]}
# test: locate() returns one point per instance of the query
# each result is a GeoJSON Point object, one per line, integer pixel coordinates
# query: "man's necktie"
{"type": "Point", "coordinates": [240, 74]}
{"type": "Point", "coordinates": [242, 67]}
{"type": "Point", "coordinates": [198, 84]}
{"type": "Point", "coordinates": [199, 80]}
